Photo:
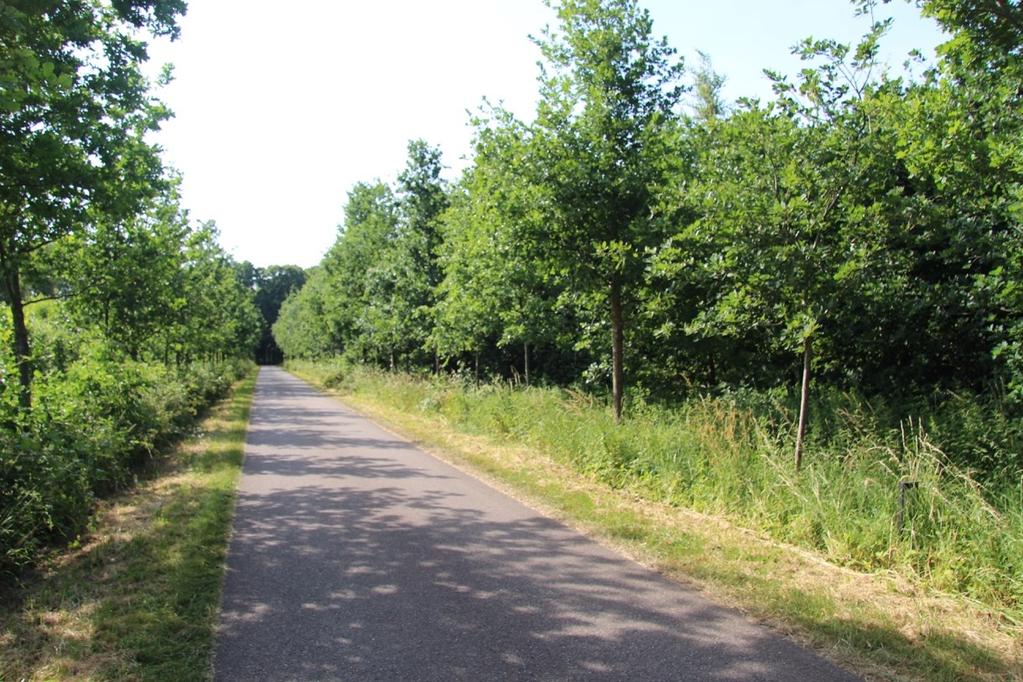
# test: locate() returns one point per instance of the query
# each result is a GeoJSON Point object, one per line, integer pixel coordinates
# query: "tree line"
{"type": "Point", "coordinates": [828, 278]}
{"type": "Point", "coordinates": [89, 216]}
{"type": "Point", "coordinates": [861, 227]}
{"type": "Point", "coordinates": [122, 316]}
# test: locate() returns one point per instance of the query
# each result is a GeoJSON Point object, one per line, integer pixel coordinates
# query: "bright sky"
{"type": "Point", "coordinates": [281, 107]}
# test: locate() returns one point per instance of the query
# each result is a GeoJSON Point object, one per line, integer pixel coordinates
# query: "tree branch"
{"type": "Point", "coordinates": [55, 297]}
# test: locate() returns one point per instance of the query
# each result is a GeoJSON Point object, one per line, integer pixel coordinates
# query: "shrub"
{"type": "Point", "coordinates": [91, 427]}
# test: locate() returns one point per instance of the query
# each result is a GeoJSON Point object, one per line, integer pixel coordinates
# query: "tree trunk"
{"type": "Point", "coordinates": [617, 350]}
{"type": "Point", "coordinates": [22, 350]}
{"type": "Point", "coordinates": [476, 369]}
{"type": "Point", "coordinates": [525, 361]}
{"type": "Point", "coordinates": [804, 396]}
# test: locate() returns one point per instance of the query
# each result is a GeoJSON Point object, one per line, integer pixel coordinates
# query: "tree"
{"type": "Point", "coordinates": [469, 300]}
{"type": "Point", "coordinates": [422, 199]}
{"type": "Point", "coordinates": [302, 329]}
{"type": "Point", "coordinates": [787, 220]}
{"type": "Point", "coordinates": [74, 112]}
{"type": "Point", "coordinates": [707, 85]}
{"type": "Point", "coordinates": [974, 113]}
{"type": "Point", "coordinates": [399, 285]}
{"type": "Point", "coordinates": [272, 285]}
{"type": "Point", "coordinates": [494, 287]}
{"type": "Point", "coordinates": [351, 266]}
{"type": "Point", "coordinates": [219, 316]}
{"type": "Point", "coordinates": [121, 276]}
{"type": "Point", "coordinates": [608, 94]}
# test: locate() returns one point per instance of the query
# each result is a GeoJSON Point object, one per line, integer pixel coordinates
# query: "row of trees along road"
{"type": "Point", "coordinates": [123, 317]}
{"type": "Point", "coordinates": [860, 227]}
{"type": "Point", "coordinates": [89, 215]}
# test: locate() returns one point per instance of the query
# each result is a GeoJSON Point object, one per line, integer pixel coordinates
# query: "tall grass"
{"type": "Point", "coordinates": [731, 456]}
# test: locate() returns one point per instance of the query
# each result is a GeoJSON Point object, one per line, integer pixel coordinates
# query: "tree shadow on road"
{"type": "Point", "coordinates": [379, 563]}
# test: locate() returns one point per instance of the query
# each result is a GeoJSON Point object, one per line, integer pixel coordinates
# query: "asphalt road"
{"type": "Point", "coordinates": [357, 556]}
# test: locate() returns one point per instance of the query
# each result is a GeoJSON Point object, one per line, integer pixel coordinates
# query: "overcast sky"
{"type": "Point", "coordinates": [281, 107]}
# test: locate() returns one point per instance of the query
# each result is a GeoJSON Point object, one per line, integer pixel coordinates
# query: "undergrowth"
{"type": "Point", "coordinates": [723, 455]}
{"type": "Point", "coordinates": [96, 423]}
{"type": "Point", "coordinates": [136, 597]}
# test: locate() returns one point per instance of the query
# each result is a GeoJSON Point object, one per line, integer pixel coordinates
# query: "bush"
{"type": "Point", "coordinates": [90, 429]}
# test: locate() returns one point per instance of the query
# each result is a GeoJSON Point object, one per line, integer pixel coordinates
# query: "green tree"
{"type": "Point", "coordinates": [362, 248]}
{"type": "Point", "coordinates": [216, 314]}
{"type": "Point", "coordinates": [272, 285]}
{"type": "Point", "coordinates": [707, 84]}
{"type": "Point", "coordinates": [74, 112]}
{"type": "Point", "coordinates": [302, 328]}
{"type": "Point", "coordinates": [121, 275]}
{"type": "Point", "coordinates": [966, 138]}
{"type": "Point", "coordinates": [784, 232]}
{"type": "Point", "coordinates": [399, 285]}
{"type": "Point", "coordinates": [494, 288]}
{"type": "Point", "coordinates": [608, 94]}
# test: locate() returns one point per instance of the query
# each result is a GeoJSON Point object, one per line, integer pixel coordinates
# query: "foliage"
{"type": "Point", "coordinates": [137, 318]}
{"type": "Point", "coordinates": [75, 109]}
{"type": "Point", "coordinates": [272, 284]}
{"type": "Point", "coordinates": [301, 329]}
{"type": "Point", "coordinates": [493, 290]}
{"type": "Point", "coordinates": [855, 205]}
{"type": "Point", "coordinates": [94, 425]}
{"type": "Point", "coordinates": [158, 552]}
{"type": "Point", "coordinates": [862, 223]}
{"type": "Point", "coordinates": [867, 221]}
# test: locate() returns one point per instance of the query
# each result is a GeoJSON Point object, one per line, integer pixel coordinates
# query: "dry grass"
{"type": "Point", "coordinates": [137, 598]}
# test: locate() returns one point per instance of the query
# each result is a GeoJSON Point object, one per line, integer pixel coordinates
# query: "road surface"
{"type": "Point", "coordinates": [357, 556]}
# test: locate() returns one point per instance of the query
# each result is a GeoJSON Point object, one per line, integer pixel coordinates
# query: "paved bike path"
{"type": "Point", "coordinates": [357, 556]}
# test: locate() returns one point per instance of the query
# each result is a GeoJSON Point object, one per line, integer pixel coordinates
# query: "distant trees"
{"type": "Point", "coordinates": [302, 329]}
{"type": "Point", "coordinates": [156, 287]}
{"type": "Point", "coordinates": [272, 285]}
{"type": "Point", "coordinates": [860, 228]}
{"type": "Point", "coordinates": [376, 286]}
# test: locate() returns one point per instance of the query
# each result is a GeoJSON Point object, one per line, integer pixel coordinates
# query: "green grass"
{"type": "Point", "coordinates": [137, 598]}
{"type": "Point", "coordinates": [704, 494]}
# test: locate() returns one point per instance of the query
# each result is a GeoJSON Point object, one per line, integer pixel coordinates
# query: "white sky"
{"type": "Point", "coordinates": [281, 107]}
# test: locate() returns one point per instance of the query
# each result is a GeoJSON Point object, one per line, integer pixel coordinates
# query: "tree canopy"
{"type": "Point", "coordinates": [860, 228]}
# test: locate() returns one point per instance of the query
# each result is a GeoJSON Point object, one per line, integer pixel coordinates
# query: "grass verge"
{"type": "Point", "coordinates": [880, 624]}
{"type": "Point", "coordinates": [137, 598]}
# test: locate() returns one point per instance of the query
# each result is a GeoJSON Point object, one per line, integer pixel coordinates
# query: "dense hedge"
{"type": "Point", "coordinates": [92, 427]}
